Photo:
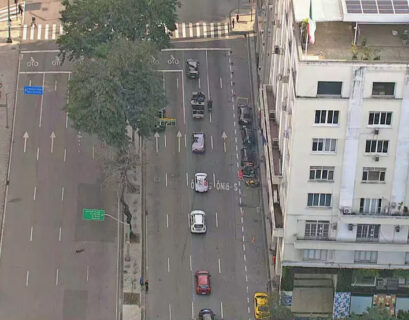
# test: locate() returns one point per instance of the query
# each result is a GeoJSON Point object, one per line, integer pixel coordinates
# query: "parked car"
{"type": "Point", "coordinates": [192, 69]}
{"type": "Point", "coordinates": [248, 157]}
{"type": "Point", "coordinates": [247, 136]}
{"type": "Point", "coordinates": [198, 143]}
{"type": "Point", "coordinates": [198, 221]}
{"type": "Point", "coordinates": [206, 314]}
{"type": "Point", "coordinates": [201, 183]}
{"type": "Point", "coordinates": [261, 307]}
{"type": "Point", "coordinates": [202, 282]}
{"type": "Point", "coordinates": [245, 114]}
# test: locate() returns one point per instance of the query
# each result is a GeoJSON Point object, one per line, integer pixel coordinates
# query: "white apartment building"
{"type": "Point", "coordinates": [335, 118]}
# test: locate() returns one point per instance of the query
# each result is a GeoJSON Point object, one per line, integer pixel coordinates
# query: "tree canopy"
{"type": "Point", "coordinates": [90, 23]}
{"type": "Point", "coordinates": [375, 313]}
{"type": "Point", "coordinates": [117, 88]}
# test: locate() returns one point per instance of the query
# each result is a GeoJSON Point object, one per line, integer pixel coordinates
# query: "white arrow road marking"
{"type": "Point", "coordinates": [156, 135]}
{"type": "Point", "coordinates": [179, 135]}
{"type": "Point", "coordinates": [52, 136]}
{"type": "Point", "coordinates": [224, 136]}
{"type": "Point", "coordinates": [25, 137]}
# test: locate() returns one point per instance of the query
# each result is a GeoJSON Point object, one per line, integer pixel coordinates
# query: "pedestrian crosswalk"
{"type": "Point", "coordinates": [13, 12]}
{"type": "Point", "coordinates": [42, 32]}
{"type": "Point", "coordinates": [200, 30]}
{"type": "Point", "coordinates": [184, 30]}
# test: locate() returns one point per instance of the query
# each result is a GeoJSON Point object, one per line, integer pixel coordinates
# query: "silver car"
{"type": "Point", "coordinates": [198, 142]}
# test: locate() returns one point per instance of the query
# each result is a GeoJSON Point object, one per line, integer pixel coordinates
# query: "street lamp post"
{"type": "Point", "coordinates": [9, 23]}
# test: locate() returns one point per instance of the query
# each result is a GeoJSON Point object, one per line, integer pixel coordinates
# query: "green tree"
{"type": "Point", "coordinates": [373, 313]}
{"type": "Point", "coordinates": [117, 88]}
{"type": "Point", "coordinates": [90, 23]}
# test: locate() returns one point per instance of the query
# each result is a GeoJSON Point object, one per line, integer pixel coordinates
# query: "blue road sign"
{"type": "Point", "coordinates": [33, 90]}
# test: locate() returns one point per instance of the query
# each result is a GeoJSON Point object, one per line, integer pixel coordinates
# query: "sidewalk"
{"type": "Point", "coordinates": [15, 25]}
{"type": "Point", "coordinates": [247, 17]}
{"type": "Point", "coordinates": [8, 77]}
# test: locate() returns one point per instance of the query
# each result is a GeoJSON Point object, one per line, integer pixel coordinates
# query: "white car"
{"type": "Point", "coordinates": [201, 184]}
{"type": "Point", "coordinates": [198, 142]}
{"type": "Point", "coordinates": [197, 221]}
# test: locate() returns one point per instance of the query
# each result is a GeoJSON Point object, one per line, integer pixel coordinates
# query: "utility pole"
{"type": "Point", "coordinates": [9, 22]}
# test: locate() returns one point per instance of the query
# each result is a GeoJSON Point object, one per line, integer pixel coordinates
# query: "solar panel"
{"type": "Point", "coordinates": [377, 6]}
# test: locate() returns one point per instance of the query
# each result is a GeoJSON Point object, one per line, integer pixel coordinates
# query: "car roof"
{"type": "Point", "coordinates": [203, 278]}
{"type": "Point", "coordinates": [198, 218]}
{"type": "Point", "coordinates": [198, 212]}
{"type": "Point", "coordinates": [201, 175]}
{"type": "Point", "coordinates": [198, 134]}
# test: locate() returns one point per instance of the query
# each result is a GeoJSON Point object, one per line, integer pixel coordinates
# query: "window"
{"type": "Point", "coordinates": [326, 117]}
{"type": "Point", "coordinates": [316, 229]}
{"type": "Point", "coordinates": [322, 173]}
{"type": "Point", "coordinates": [383, 88]}
{"type": "Point", "coordinates": [376, 146]}
{"type": "Point", "coordinates": [373, 175]}
{"type": "Point", "coordinates": [380, 118]}
{"type": "Point", "coordinates": [319, 200]}
{"type": "Point", "coordinates": [366, 256]}
{"type": "Point", "coordinates": [324, 145]}
{"type": "Point", "coordinates": [315, 254]}
{"type": "Point", "coordinates": [367, 232]}
{"type": "Point", "coordinates": [329, 88]}
{"type": "Point", "coordinates": [407, 258]}
{"type": "Point", "coordinates": [367, 205]}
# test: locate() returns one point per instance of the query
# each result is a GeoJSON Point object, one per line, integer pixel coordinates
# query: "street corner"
{"type": "Point", "coordinates": [242, 20]}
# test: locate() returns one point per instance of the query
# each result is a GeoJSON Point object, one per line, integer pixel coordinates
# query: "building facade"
{"type": "Point", "coordinates": [335, 121]}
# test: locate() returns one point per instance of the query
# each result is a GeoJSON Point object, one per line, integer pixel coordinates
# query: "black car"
{"type": "Point", "coordinates": [245, 115]}
{"type": "Point", "coordinates": [206, 314]}
{"type": "Point", "coordinates": [248, 157]}
{"type": "Point", "coordinates": [198, 98]}
{"type": "Point", "coordinates": [247, 136]}
{"type": "Point", "coordinates": [192, 69]}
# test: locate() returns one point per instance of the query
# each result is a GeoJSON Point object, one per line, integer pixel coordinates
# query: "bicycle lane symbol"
{"type": "Point", "coordinates": [56, 61]}
{"type": "Point", "coordinates": [173, 60]}
{"type": "Point", "coordinates": [32, 63]}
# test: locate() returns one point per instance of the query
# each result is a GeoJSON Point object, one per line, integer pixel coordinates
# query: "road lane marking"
{"type": "Point", "coordinates": [221, 310]}
{"type": "Point", "coordinates": [242, 229]}
{"type": "Point", "coordinates": [170, 312]}
{"type": "Point", "coordinates": [205, 30]}
{"type": "Point", "coordinates": [185, 141]}
{"type": "Point", "coordinates": [199, 83]}
{"type": "Point", "coordinates": [59, 235]}
{"type": "Point", "coordinates": [93, 152]}
{"type": "Point", "coordinates": [31, 234]}
{"type": "Point", "coordinates": [245, 268]}
{"type": "Point", "coordinates": [248, 300]}
{"type": "Point", "coordinates": [52, 137]}
{"type": "Point", "coordinates": [219, 29]}
{"type": "Point", "coordinates": [247, 289]}
{"type": "Point", "coordinates": [39, 31]}
{"type": "Point", "coordinates": [47, 29]}
{"type": "Point", "coordinates": [167, 220]}
{"type": "Point", "coordinates": [221, 83]}
{"type": "Point", "coordinates": [214, 180]}
{"type": "Point", "coordinates": [220, 267]}
{"type": "Point", "coordinates": [55, 85]}
{"type": "Point", "coordinates": [27, 276]}
{"type": "Point", "coordinates": [166, 179]}
{"type": "Point", "coordinates": [217, 221]}
{"type": "Point", "coordinates": [235, 139]}
{"type": "Point", "coordinates": [65, 154]}
{"type": "Point", "coordinates": [248, 310]}
{"type": "Point", "coordinates": [38, 153]}
{"type": "Point", "coordinates": [243, 237]}
{"type": "Point", "coordinates": [35, 193]}
{"type": "Point", "coordinates": [241, 218]}
{"type": "Point", "coordinates": [244, 257]}
{"type": "Point", "coordinates": [212, 30]}
{"type": "Point", "coordinates": [168, 264]}
{"type": "Point", "coordinates": [62, 194]}
{"type": "Point", "coordinates": [190, 262]}
{"type": "Point", "coordinates": [240, 200]}
{"type": "Point", "coordinates": [247, 280]}
{"type": "Point", "coordinates": [32, 33]}
{"type": "Point", "coordinates": [210, 117]}
{"type": "Point", "coordinates": [29, 83]}
{"type": "Point", "coordinates": [193, 311]}
{"type": "Point", "coordinates": [191, 29]}
{"type": "Point", "coordinates": [66, 120]}
{"type": "Point", "coordinates": [87, 273]}
{"type": "Point", "coordinates": [25, 32]}
{"type": "Point", "coordinates": [183, 30]}
{"type": "Point", "coordinates": [187, 180]}
{"type": "Point", "coordinates": [244, 247]}
{"type": "Point", "coordinates": [54, 31]}
{"type": "Point", "coordinates": [207, 77]}
{"type": "Point", "coordinates": [41, 104]}
{"type": "Point", "coordinates": [211, 141]}
{"type": "Point", "coordinates": [197, 30]}
{"type": "Point", "coordinates": [165, 140]}
{"type": "Point", "coordinates": [56, 277]}
{"type": "Point", "coordinates": [177, 82]}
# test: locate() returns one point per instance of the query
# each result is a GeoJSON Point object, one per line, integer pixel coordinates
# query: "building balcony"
{"type": "Point", "coordinates": [383, 217]}
{"type": "Point", "coordinates": [333, 244]}
{"type": "Point", "coordinates": [277, 174]}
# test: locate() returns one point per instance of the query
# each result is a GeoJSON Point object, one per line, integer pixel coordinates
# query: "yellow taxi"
{"type": "Point", "coordinates": [261, 307]}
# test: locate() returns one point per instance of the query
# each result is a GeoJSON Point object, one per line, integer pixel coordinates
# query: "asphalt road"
{"type": "Point", "coordinates": [55, 265]}
{"type": "Point", "coordinates": [233, 250]}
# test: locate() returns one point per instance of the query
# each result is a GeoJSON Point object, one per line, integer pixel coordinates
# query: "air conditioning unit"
{"type": "Point", "coordinates": [283, 78]}
{"type": "Point", "coordinates": [347, 210]}
{"type": "Point", "coordinates": [350, 227]}
{"type": "Point", "coordinates": [376, 158]}
{"type": "Point", "coordinates": [376, 131]}
{"type": "Point", "coordinates": [397, 228]}
{"type": "Point", "coordinates": [277, 50]}
{"type": "Point", "coordinates": [275, 144]}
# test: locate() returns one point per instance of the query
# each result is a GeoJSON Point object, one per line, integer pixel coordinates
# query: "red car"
{"type": "Point", "coordinates": [202, 281]}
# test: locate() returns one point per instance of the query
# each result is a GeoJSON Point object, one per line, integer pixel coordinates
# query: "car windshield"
{"type": "Point", "coordinates": [199, 226]}
{"type": "Point", "coordinates": [203, 286]}
{"type": "Point", "coordinates": [263, 309]}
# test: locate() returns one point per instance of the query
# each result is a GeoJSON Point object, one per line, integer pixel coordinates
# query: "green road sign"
{"type": "Point", "coordinates": [93, 214]}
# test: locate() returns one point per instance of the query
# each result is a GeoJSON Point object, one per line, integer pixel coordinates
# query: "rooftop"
{"type": "Point", "coordinates": [334, 41]}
